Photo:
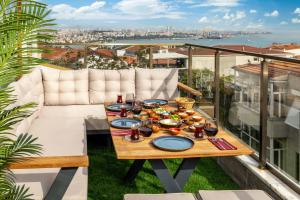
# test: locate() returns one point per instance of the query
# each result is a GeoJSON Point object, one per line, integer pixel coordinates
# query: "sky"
{"type": "Point", "coordinates": [247, 15]}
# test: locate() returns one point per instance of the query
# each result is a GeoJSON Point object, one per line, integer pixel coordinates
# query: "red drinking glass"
{"type": "Point", "coordinates": [199, 131]}
{"type": "Point", "coordinates": [119, 99]}
{"type": "Point", "coordinates": [135, 132]}
{"type": "Point", "coordinates": [123, 111]}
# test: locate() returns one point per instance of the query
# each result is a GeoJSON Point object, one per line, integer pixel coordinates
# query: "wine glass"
{"type": "Point", "coordinates": [211, 127]}
{"type": "Point", "coordinates": [129, 98]}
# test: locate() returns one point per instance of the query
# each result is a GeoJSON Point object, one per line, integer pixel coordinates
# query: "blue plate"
{"type": "Point", "coordinates": [160, 101]}
{"type": "Point", "coordinates": [173, 143]}
{"type": "Point", "coordinates": [124, 123]}
{"type": "Point", "coordinates": [117, 107]}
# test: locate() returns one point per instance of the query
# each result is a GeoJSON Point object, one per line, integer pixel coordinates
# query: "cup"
{"type": "Point", "coordinates": [123, 111]}
{"type": "Point", "coordinates": [135, 132]}
{"type": "Point", "coordinates": [199, 131]}
{"type": "Point", "coordinates": [119, 98]}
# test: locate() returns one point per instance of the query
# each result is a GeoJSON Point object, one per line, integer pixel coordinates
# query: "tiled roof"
{"type": "Point", "coordinates": [276, 68]}
{"type": "Point", "coordinates": [164, 61]}
{"type": "Point", "coordinates": [58, 53]}
{"type": "Point", "coordinates": [285, 46]}
{"type": "Point", "coordinates": [105, 53]}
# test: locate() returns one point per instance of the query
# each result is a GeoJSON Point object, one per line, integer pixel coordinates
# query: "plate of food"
{"type": "Point", "coordinates": [170, 123]}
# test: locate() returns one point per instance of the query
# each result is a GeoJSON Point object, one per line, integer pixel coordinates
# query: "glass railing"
{"type": "Point", "coordinates": [254, 96]}
{"type": "Point", "coordinates": [257, 98]}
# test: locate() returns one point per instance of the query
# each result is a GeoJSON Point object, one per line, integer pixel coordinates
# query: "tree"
{"type": "Point", "coordinates": [23, 25]}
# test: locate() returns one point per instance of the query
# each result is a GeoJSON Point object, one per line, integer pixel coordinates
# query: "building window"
{"type": "Point", "coordinates": [276, 150]}
{"type": "Point", "coordinates": [250, 136]}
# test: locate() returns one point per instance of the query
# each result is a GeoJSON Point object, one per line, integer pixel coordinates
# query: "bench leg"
{"type": "Point", "coordinates": [61, 183]}
{"type": "Point", "coordinates": [134, 170]}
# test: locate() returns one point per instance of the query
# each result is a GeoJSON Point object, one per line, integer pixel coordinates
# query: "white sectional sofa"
{"type": "Point", "coordinates": [69, 103]}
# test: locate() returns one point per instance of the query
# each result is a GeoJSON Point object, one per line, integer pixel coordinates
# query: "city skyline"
{"type": "Point", "coordinates": [269, 15]}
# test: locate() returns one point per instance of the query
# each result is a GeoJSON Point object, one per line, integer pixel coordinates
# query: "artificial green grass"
{"type": "Point", "coordinates": [106, 174]}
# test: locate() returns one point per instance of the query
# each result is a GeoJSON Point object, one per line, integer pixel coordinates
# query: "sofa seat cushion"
{"type": "Point", "coordinates": [170, 196]}
{"type": "Point", "coordinates": [105, 85]}
{"type": "Point", "coordinates": [93, 115]}
{"type": "Point", "coordinates": [156, 83]}
{"type": "Point", "coordinates": [66, 87]}
{"type": "Point", "coordinates": [59, 137]}
{"type": "Point", "coordinates": [234, 195]}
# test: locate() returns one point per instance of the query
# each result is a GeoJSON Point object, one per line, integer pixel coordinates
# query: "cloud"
{"type": "Point", "coordinates": [147, 9]}
{"type": "Point", "coordinates": [297, 11]}
{"type": "Point", "coordinates": [275, 13]}
{"type": "Point", "coordinates": [218, 3]}
{"type": "Point", "coordinates": [283, 23]}
{"type": "Point", "coordinates": [203, 20]}
{"type": "Point", "coordinates": [296, 20]}
{"type": "Point", "coordinates": [252, 11]}
{"type": "Point", "coordinates": [234, 16]}
{"type": "Point", "coordinates": [123, 10]}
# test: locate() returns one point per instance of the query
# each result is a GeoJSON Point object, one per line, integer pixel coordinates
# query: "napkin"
{"type": "Point", "coordinates": [222, 144]}
{"type": "Point", "coordinates": [110, 113]}
{"type": "Point", "coordinates": [120, 132]}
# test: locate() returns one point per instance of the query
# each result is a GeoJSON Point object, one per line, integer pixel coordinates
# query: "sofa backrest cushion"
{"type": "Point", "coordinates": [156, 83]}
{"type": "Point", "coordinates": [28, 89]}
{"type": "Point", "coordinates": [105, 85]}
{"type": "Point", "coordinates": [65, 87]}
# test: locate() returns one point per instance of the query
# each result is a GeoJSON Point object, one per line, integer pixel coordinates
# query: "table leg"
{"type": "Point", "coordinates": [162, 172]}
{"type": "Point", "coordinates": [185, 170]}
{"type": "Point", "coordinates": [134, 170]}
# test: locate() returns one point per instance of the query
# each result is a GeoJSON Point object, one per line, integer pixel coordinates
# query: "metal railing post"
{"type": "Point", "coordinates": [150, 57]}
{"type": "Point", "coordinates": [190, 67]}
{"type": "Point", "coordinates": [217, 87]}
{"type": "Point", "coordinates": [85, 56]}
{"type": "Point", "coordinates": [263, 114]}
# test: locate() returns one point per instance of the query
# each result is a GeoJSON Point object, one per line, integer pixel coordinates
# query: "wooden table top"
{"type": "Point", "coordinates": [126, 150]}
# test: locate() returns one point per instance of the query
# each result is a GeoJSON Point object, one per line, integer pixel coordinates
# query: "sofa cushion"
{"type": "Point", "coordinates": [28, 89]}
{"type": "Point", "coordinates": [170, 196]}
{"type": "Point", "coordinates": [234, 195]}
{"type": "Point", "coordinates": [65, 87]}
{"type": "Point", "coordinates": [93, 115]}
{"type": "Point", "coordinates": [156, 83]}
{"type": "Point", "coordinates": [59, 138]}
{"type": "Point", "coordinates": [105, 85]}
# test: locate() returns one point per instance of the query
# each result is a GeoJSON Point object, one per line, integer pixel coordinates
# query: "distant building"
{"type": "Point", "coordinates": [288, 48]}
{"type": "Point", "coordinates": [205, 58]}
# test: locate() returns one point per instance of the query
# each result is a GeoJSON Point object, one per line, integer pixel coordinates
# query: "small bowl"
{"type": "Point", "coordinates": [197, 118]}
{"type": "Point", "coordinates": [145, 131]}
{"type": "Point", "coordinates": [192, 128]}
{"type": "Point", "coordinates": [189, 122]}
{"type": "Point", "coordinates": [175, 131]}
{"type": "Point", "coordinates": [183, 115]}
{"type": "Point", "coordinates": [190, 112]}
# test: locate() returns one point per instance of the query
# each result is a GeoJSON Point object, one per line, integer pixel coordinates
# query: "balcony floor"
{"type": "Point", "coordinates": [106, 173]}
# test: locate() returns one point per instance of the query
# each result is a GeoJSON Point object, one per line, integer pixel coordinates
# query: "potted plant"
{"type": "Point", "coordinates": [23, 26]}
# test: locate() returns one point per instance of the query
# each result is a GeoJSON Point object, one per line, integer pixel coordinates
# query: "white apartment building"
{"type": "Point", "coordinates": [284, 112]}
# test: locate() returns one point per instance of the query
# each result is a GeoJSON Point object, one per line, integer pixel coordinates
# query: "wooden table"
{"type": "Point", "coordinates": [142, 151]}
